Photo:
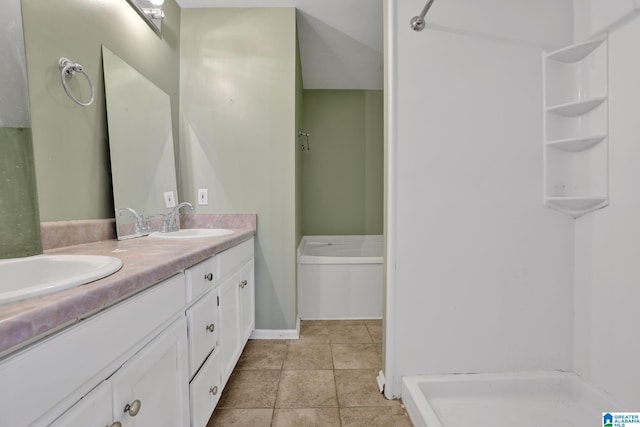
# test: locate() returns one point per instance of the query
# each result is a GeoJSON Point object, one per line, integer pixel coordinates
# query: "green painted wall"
{"type": "Point", "coordinates": [342, 175]}
{"type": "Point", "coordinates": [19, 225]}
{"type": "Point", "coordinates": [238, 133]}
{"type": "Point", "coordinates": [70, 142]}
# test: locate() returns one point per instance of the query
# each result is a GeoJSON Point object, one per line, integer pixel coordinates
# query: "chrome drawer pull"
{"type": "Point", "coordinates": [243, 283]}
{"type": "Point", "coordinates": [210, 327]}
{"type": "Point", "coordinates": [208, 277]}
{"type": "Point", "coordinates": [213, 390]}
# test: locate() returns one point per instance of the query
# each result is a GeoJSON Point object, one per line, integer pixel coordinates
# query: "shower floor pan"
{"type": "Point", "coordinates": [531, 399]}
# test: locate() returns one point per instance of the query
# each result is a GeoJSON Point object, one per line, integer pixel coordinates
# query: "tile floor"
{"type": "Point", "coordinates": [326, 378]}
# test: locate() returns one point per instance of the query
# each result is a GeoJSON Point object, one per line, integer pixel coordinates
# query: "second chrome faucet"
{"type": "Point", "coordinates": [169, 222]}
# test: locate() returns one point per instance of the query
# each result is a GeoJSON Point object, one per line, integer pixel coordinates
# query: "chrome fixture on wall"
{"type": "Point", "coordinates": [306, 135]}
{"type": "Point", "coordinates": [68, 70]}
{"type": "Point", "coordinates": [151, 11]}
{"type": "Point", "coordinates": [417, 22]}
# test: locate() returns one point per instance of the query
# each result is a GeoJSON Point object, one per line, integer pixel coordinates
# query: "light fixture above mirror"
{"type": "Point", "coordinates": [151, 11]}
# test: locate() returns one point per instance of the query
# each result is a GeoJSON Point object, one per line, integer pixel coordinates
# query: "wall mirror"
{"type": "Point", "coordinates": [19, 218]}
{"type": "Point", "coordinates": [141, 147]}
{"type": "Point", "coordinates": [150, 11]}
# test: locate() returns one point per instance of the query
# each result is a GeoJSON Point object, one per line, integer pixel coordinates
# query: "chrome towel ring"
{"type": "Point", "coordinates": [67, 70]}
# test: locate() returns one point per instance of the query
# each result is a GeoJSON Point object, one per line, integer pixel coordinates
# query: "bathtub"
{"type": "Point", "coordinates": [531, 399]}
{"type": "Point", "coordinates": [340, 277]}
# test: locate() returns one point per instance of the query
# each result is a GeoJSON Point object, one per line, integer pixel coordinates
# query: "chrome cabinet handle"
{"type": "Point", "coordinates": [133, 408]}
{"type": "Point", "coordinates": [243, 283]}
{"type": "Point", "coordinates": [208, 277]}
{"type": "Point", "coordinates": [210, 327]}
{"type": "Point", "coordinates": [213, 390]}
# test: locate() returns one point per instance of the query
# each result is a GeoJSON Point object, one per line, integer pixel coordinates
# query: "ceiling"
{"type": "Point", "coordinates": [340, 40]}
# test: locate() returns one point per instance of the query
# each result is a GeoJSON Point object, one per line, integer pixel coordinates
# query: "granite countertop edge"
{"type": "Point", "coordinates": [146, 262]}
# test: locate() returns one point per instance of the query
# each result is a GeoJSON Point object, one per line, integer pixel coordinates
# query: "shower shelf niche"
{"type": "Point", "coordinates": [575, 147]}
{"type": "Point", "coordinates": [576, 108]}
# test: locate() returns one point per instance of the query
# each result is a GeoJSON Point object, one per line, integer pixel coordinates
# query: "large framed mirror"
{"type": "Point", "coordinates": [141, 147]}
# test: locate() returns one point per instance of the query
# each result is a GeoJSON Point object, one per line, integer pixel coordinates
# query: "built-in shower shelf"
{"type": "Point", "coordinates": [576, 52]}
{"type": "Point", "coordinates": [576, 144]}
{"type": "Point", "coordinates": [577, 205]}
{"type": "Point", "coordinates": [576, 108]}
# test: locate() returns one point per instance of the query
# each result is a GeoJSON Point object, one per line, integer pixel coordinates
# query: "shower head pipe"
{"type": "Point", "coordinates": [417, 22]}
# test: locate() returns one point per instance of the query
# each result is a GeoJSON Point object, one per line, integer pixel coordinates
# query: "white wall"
{"type": "Point", "coordinates": [238, 136]}
{"type": "Point", "coordinates": [607, 271]}
{"type": "Point", "coordinates": [593, 17]}
{"type": "Point", "coordinates": [483, 272]}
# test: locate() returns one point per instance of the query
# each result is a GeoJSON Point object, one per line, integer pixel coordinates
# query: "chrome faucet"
{"type": "Point", "coordinates": [169, 222]}
{"type": "Point", "coordinates": [142, 225]}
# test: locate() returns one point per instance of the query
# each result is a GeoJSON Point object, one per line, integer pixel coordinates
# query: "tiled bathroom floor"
{"type": "Point", "coordinates": [326, 378]}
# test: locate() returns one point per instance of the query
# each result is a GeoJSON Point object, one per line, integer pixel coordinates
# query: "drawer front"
{"type": "Point", "coordinates": [205, 391]}
{"type": "Point", "coordinates": [230, 259]}
{"type": "Point", "coordinates": [201, 278]}
{"type": "Point", "coordinates": [204, 329]}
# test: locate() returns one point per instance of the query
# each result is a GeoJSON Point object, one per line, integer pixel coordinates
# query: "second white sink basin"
{"type": "Point", "coordinates": [192, 233]}
{"type": "Point", "coordinates": [28, 277]}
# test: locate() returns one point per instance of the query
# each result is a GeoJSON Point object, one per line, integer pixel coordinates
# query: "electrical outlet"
{"type": "Point", "coordinates": [203, 196]}
{"type": "Point", "coordinates": [169, 200]}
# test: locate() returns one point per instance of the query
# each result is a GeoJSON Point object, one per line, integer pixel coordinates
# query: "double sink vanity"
{"type": "Point", "coordinates": [152, 344]}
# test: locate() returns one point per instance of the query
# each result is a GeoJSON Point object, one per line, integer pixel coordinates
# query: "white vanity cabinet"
{"type": "Point", "coordinates": [237, 303]}
{"type": "Point", "coordinates": [219, 323]}
{"type": "Point", "coordinates": [77, 376]}
{"type": "Point", "coordinates": [148, 390]}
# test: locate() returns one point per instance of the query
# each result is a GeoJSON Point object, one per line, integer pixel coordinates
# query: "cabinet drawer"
{"type": "Point", "coordinates": [201, 278]}
{"type": "Point", "coordinates": [204, 329]}
{"type": "Point", "coordinates": [205, 390]}
{"type": "Point", "coordinates": [230, 259]}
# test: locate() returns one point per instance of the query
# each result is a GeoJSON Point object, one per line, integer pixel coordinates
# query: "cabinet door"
{"type": "Point", "coordinates": [229, 325]}
{"type": "Point", "coordinates": [93, 410]}
{"type": "Point", "coordinates": [150, 389]}
{"type": "Point", "coordinates": [247, 302]}
{"type": "Point", "coordinates": [204, 327]}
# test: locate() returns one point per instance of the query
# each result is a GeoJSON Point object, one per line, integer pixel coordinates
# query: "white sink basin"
{"type": "Point", "coordinates": [23, 278]}
{"type": "Point", "coordinates": [192, 233]}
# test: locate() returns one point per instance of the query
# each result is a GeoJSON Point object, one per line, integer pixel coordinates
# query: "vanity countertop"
{"type": "Point", "coordinates": [146, 261]}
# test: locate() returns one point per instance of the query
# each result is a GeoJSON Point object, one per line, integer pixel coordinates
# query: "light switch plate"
{"type": "Point", "coordinates": [203, 196]}
{"type": "Point", "coordinates": [169, 200]}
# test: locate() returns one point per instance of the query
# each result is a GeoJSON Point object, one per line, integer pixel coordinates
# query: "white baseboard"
{"type": "Point", "coordinates": [277, 334]}
{"type": "Point", "coordinates": [380, 380]}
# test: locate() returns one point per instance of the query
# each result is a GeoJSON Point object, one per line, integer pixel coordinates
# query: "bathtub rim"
{"type": "Point", "coordinates": [422, 413]}
{"type": "Point", "coordinates": [319, 260]}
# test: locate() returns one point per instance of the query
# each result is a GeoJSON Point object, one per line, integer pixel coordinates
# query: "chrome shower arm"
{"type": "Point", "coordinates": [417, 22]}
